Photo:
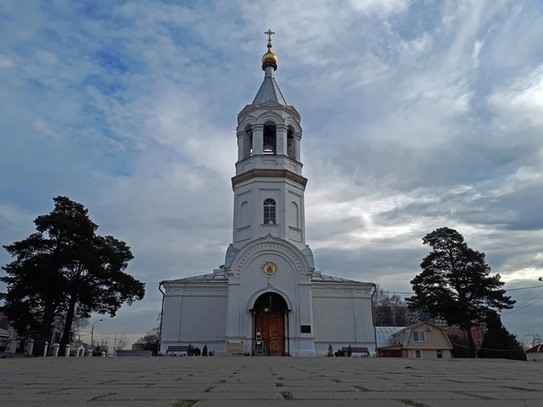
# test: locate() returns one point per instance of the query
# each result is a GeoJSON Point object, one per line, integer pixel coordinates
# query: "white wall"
{"type": "Point", "coordinates": [196, 316]}
{"type": "Point", "coordinates": [342, 317]}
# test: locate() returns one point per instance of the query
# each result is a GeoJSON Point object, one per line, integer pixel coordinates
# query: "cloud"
{"type": "Point", "coordinates": [416, 115]}
{"type": "Point", "coordinates": [519, 107]}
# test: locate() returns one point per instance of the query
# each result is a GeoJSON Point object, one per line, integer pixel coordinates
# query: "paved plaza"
{"type": "Point", "coordinates": [266, 381]}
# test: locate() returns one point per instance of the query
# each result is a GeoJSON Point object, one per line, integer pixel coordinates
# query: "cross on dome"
{"type": "Point", "coordinates": [269, 58]}
{"type": "Point", "coordinates": [269, 33]}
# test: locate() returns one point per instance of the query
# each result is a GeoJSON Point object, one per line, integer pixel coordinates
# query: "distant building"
{"type": "Point", "coordinates": [4, 336]}
{"type": "Point", "coordinates": [421, 341]}
{"type": "Point", "coordinates": [535, 354]}
{"type": "Point", "coordinates": [5, 330]}
{"type": "Point", "coordinates": [459, 337]}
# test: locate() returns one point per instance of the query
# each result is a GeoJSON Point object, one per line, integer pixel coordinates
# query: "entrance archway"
{"type": "Point", "coordinates": [269, 315]}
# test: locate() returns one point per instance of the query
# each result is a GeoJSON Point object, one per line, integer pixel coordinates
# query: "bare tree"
{"type": "Point", "coordinates": [389, 309]}
{"type": "Point", "coordinates": [532, 339]}
{"type": "Point", "coordinates": [150, 341]}
{"type": "Point", "coordinates": [120, 342]}
{"type": "Point", "coordinates": [102, 346]}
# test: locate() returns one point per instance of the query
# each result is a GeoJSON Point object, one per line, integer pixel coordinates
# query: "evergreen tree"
{"type": "Point", "coordinates": [499, 342]}
{"type": "Point", "coordinates": [455, 283]}
{"type": "Point", "coordinates": [66, 271]}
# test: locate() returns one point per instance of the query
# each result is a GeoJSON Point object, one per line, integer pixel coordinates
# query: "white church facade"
{"type": "Point", "coordinates": [268, 295]}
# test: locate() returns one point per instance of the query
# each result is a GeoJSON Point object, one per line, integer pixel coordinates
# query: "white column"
{"type": "Point", "coordinates": [234, 321]}
{"type": "Point", "coordinates": [307, 341]}
{"type": "Point", "coordinates": [29, 346]}
{"type": "Point", "coordinates": [241, 144]}
{"type": "Point", "coordinates": [13, 344]}
{"type": "Point", "coordinates": [298, 138]}
{"type": "Point", "coordinates": [281, 139]}
{"type": "Point", "coordinates": [258, 139]}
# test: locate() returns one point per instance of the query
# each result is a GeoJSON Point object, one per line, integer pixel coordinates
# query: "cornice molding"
{"type": "Point", "coordinates": [268, 173]}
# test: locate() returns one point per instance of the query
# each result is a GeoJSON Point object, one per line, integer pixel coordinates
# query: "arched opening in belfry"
{"type": "Point", "coordinates": [291, 143]}
{"type": "Point", "coordinates": [270, 322]}
{"type": "Point", "coordinates": [248, 142]}
{"type": "Point", "coordinates": [270, 139]}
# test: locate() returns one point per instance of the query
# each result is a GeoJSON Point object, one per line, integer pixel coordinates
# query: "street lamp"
{"type": "Point", "coordinates": [92, 332]}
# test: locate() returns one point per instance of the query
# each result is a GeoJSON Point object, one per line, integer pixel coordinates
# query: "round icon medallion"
{"type": "Point", "coordinates": [269, 268]}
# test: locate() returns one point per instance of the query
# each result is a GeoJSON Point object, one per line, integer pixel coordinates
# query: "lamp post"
{"type": "Point", "coordinates": [92, 332]}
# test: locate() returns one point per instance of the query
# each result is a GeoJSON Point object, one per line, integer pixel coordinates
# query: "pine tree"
{"type": "Point", "coordinates": [455, 283]}
{"type": "Point", "coordinates": [499, 342]}
{"type": "Point", "coordinates": [65, 271]}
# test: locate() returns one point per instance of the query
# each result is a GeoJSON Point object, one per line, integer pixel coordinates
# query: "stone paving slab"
{"type": "Point", "coordinates": [248, 381]}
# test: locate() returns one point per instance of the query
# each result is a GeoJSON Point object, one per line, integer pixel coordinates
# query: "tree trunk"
{"type": "Point", "coordinates": [68, 325]}
{"type": "Point", "coordinates": [471, 343]}
{"type": "Point", "coordinates": [44, 333]}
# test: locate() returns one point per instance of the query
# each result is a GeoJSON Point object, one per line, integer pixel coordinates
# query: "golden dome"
{"type": "Point", "coordinates": [269, 58]}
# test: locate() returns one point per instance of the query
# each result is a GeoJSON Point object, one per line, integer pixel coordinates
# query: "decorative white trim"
{"type": "Point", "coordinates": [269, 244]}
{"type": "Point", "coordinates": [343, 292]}
{"type": "Point", "coordinates": [212, 292]}
{"type": "Point", "coordinates": [290, 191]}
{"type": "Point", "coordinates": [244, 192]}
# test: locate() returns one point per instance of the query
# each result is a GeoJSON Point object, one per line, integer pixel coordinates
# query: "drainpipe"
{"type": "Point", "coordinates": [161, 317]}
{"type": "Point", "coordinates": [372, 321]}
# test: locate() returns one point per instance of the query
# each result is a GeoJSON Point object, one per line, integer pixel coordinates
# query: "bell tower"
{"type": "Point", "coordinates": [268, 185]}
{"type": "Point", "coordinates": [268, 298]}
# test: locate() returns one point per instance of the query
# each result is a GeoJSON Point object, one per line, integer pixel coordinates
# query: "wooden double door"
{"type": "Point", "coordinates": [272, 330]}
{"type": "Point", "coordinates": [269, 320]}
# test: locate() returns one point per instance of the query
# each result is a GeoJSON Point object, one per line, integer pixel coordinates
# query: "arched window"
{"type": "Point", "coordinates": [269, 142]}
{"type": "Point", "coordinates": [269, 211]}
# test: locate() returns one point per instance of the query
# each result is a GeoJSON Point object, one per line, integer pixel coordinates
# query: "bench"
{"type": "Point", "coordinates": [349, 350]}
{"type": "Point", "coordinates": [173, 349]}
{"type": "Point", "coordinates": [234, 348]}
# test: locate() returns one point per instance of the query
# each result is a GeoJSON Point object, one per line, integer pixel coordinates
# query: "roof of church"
{"type": "Point", "coordinates": [269, 90]}
{"type": "Point", "coordinates": [217, 276]}
{"type": "Point", "coordinates": [330, 279]}
{"type": "Point", "coordinates": [220, 275]}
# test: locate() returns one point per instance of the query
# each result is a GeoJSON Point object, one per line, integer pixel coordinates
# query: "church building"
{"type": "Point", "coordinates": [268, 298]}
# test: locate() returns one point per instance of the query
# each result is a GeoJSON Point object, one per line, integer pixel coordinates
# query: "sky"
{"type": "Point", "coordinates": [416, 115]}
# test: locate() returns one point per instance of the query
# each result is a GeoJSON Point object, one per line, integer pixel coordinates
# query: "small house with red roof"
{"type": "Point", "coordinates": [535, 353]}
